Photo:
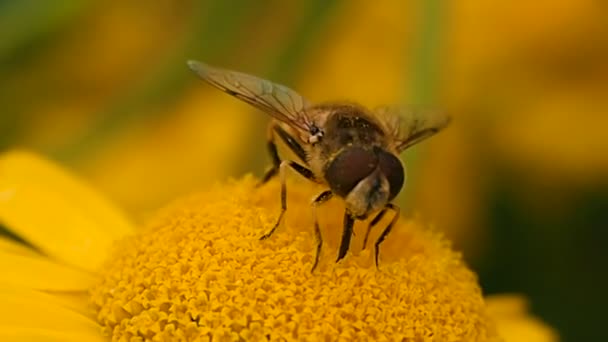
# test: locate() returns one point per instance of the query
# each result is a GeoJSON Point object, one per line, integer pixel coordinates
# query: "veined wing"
{"type": "Point", "coordinates": [277, 100]}
{"type": "Point", "coordinates": [409, 127]}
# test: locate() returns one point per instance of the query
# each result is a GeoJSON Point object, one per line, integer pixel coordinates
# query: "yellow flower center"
{"type": "Point", "coordinates": [199, 271]}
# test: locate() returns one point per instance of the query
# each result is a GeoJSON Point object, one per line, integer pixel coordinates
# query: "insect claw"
{"type": "Point", "coordinates": [276, 225]}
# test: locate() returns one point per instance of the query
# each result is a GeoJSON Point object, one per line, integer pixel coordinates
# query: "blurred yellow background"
{"type": "Point", "coordinates": [518, 182]}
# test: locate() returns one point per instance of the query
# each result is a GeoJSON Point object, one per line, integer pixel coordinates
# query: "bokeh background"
{"type": "Point", "coordinates": [518, 182]}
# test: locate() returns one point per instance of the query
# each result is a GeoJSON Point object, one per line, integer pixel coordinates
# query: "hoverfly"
{"type": "Point", "coordinates": [344, 146]}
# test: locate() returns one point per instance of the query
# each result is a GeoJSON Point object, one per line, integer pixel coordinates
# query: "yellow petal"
{"type": "Point", "coordinates": [11, 246]}
{"type": "Point", "coordinates": [10, 334]}
{"type": "Point", "coordinates": [55, 212]}
{"type": "Point", "coordinates": [77, 302]}
{"type": "Point", "coordinates": [515, 323]}
{"type": "Point", "coordinates": [38, 272]}
{"type": "Point", "coordinates": [27, 312]}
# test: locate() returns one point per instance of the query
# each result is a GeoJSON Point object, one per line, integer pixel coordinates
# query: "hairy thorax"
{"type": "Point", "coordinates": [344, 126]}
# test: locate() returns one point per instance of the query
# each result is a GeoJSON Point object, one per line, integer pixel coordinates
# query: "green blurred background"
{"type": "Point", "coordinates": [518, 182]}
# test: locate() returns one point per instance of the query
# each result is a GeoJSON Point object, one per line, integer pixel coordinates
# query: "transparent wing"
{"type": "Point", "coordinates": [409, 127]}
{"type": "Point", "coordinates": [277, 100]}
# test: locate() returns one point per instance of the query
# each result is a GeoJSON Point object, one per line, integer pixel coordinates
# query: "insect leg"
{"type": "Point", "coordinates": [282, 169]}
{"type": "Point", "coordinates": [347, 233]}
{"type": "Point", "coordinates": [372, 224]}
{"type": "Point", "coordinates": [387, 230]}
{"type": "Point", "coordinates": [274, 155]}
{"type": "Point", "coordinates": [320, 199]}
{"type": "Point", "coordinates": [289, 140]}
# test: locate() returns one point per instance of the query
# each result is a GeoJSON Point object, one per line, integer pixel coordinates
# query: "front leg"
{"type": "Point", "coordinates": [386, 230]}
{"type": "Point", "coordinates": [271, 145]}
{"type": "Point", "coordinates": [373, 223]}
{"type": "Point", "coordinates": [274, 155]}
{"type": "Point", "coordinates": [282, 172]}
{"type": "Point", "coordinates": [347, 233]}
{"type": "Point", "coordinates": [320, 199]}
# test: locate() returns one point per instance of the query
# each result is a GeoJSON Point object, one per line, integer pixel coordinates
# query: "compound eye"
{"type": "Point", "coordinates": [393, 170]}
{"type": "Point", "coordinates": [349, 168]}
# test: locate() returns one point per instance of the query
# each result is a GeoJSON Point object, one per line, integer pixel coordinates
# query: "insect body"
{"type": "Point", "coordinates": [348, 148]}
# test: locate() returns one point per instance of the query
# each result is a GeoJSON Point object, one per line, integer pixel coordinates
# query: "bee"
{"type": "Point", "coordinates": [351, 150]}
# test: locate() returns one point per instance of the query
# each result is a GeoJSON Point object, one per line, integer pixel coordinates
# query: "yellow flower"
{"type": "Point", "coordinates": [198, 270]}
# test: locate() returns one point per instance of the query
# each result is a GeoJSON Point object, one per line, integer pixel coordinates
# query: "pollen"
{"type": "Point", "coordinates": [198, 271]}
